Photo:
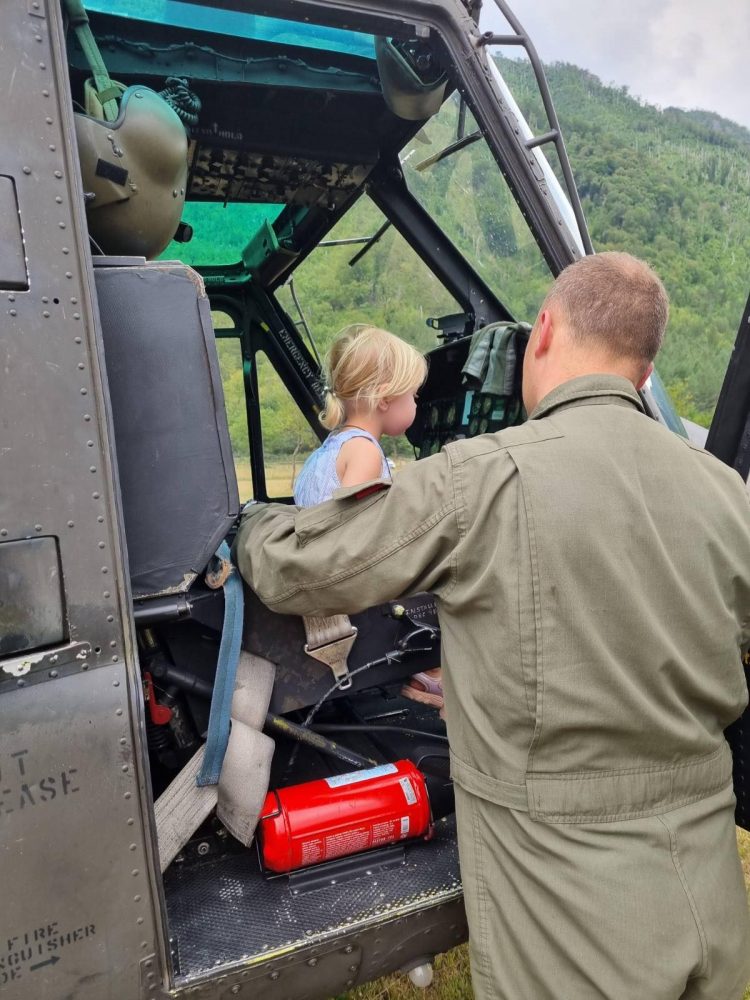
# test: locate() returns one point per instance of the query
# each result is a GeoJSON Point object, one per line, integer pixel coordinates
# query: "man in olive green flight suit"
{"type": "Point", "coordinates": [592, 572]}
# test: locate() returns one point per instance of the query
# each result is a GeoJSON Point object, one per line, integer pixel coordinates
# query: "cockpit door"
{"type": "Point", "coordinates": [729, 439]}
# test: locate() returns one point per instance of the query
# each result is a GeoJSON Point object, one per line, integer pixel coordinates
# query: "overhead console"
{"type": "Point", "coordinates": [289, 123]}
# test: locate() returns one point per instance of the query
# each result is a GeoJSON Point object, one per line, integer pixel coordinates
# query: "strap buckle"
{"type": "Point", "coordinates": [335, 655]}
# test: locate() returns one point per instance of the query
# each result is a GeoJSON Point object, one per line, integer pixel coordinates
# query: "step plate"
{"type": "Point", "coordinates": [224, 911]}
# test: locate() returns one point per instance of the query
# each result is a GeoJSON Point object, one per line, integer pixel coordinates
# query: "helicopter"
{"type": "Point", "coordinates": [178, 175]}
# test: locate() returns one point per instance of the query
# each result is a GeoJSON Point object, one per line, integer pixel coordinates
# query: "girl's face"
{"type": "Point", "coordinates": [398, 413]}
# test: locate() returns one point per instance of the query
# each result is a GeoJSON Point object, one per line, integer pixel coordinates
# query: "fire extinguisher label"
{"type": "Point", "coordinates": [338, 780]}
{"type": "Point", "coordinates": [409, 794]}
{"type": "Point", "coordinates": [347, 842]}
{"type": "Point", "coordinates": [404, 826]}
{"type": "Point", "coordinates": [312, 851]}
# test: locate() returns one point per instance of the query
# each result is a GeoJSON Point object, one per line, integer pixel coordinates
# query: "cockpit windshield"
{"type": "Point", "coordinates": [555, 188]}
{"type": "Point", "coordinates": [220, 231]}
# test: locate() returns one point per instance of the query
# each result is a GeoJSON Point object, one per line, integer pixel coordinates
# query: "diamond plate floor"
{"type": "Point", "coordinates": [223, 910]}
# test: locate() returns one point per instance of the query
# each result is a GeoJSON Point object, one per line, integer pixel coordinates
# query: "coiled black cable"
{"type": "Point", "coordinates": [182, 100]}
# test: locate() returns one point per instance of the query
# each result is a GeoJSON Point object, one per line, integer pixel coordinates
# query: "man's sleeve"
{"type": "Point", "coordinates": [369, 545]}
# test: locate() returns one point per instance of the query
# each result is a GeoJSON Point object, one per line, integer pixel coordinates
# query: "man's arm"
{"type": "Point", "coordinates": [368, 546]}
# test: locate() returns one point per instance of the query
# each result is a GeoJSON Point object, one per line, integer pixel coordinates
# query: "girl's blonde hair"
{"type": "Point", "coordinates": [366, 364]}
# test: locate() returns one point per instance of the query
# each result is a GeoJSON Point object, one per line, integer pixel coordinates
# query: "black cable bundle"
{"type": "Point", "coordinates": [182, 100]}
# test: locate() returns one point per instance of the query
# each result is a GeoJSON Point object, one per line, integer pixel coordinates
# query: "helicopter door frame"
{"type": "Point", "coordinates": [76, 814]}
{"type": "Point", "coordinates": [729, 439]}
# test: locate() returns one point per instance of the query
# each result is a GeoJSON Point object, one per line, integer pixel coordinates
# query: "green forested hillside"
{"type": "Point", "coordinates": [670, 186]}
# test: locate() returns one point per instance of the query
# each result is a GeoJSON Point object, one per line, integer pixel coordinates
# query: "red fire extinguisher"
{"type": "Point", "coordinates": [320, 820]}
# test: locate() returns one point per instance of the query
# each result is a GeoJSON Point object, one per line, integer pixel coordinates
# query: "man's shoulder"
{"type": "Point", "coordinates": [698, 450]}
{"type": "Point", "coordinates": [714, 466]}
{"type": "Point", "coordinates": [529, 433]}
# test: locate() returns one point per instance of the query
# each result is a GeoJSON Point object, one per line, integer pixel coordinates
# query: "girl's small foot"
{"type": "Point", "coordinates": [426, 687]}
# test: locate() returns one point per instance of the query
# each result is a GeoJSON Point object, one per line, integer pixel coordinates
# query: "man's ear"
{"type": "Point", "coordinates": [646, 375]}
{"type": "Point", "coordinates": [544, 334]}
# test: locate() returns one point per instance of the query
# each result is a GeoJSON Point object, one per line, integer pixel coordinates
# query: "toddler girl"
{"type": "Point", "coordinates": [372, 380]}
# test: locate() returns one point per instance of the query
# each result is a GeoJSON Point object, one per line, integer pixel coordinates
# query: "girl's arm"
{"type": "Point", "coordinates": [359, 460]}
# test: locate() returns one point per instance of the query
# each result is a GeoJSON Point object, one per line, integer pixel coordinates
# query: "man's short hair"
{"type": "Point", "coordinates": [613, 301]}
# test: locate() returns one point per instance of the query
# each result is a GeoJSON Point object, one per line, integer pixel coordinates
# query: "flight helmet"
{"type": "Point", "coordinates": [134, 173]}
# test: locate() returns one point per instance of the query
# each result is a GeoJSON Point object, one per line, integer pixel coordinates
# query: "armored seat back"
{"type": "Point", "coordinates": [174, 458]}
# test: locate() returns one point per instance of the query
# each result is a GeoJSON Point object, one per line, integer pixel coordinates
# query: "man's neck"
{"type": "Point", "coordinates": [600, 366]}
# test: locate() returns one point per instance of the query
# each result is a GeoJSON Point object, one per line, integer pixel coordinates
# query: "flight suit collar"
{"type": "Point", "coordinates": [577, 391]}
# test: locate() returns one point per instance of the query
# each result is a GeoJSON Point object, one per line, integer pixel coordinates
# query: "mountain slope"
{"type": "Point", "coordinates": [674, 188]}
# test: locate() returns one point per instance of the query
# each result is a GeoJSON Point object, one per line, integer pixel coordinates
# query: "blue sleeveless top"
{"type": "Point", "coordinates": [318, 478]}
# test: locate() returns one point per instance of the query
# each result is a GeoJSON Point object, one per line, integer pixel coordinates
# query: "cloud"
{"type": "Point", "coordinates": [685, 53]}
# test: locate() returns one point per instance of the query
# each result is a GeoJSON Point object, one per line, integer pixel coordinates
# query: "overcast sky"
{"type": "Point", "coordinates": [687, 53]}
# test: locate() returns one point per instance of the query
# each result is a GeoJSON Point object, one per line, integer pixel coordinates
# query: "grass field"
{"type": "Point", "coordinates": [452, 977]}
{"type": "Point", "coordinates": [279, 478]}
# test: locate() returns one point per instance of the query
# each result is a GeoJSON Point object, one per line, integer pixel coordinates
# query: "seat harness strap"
{"type": "Point", "coordinates": [330, 640]}
{"type": "Point", "coordinates": [226, 668]}
{"type": "Point", "coordinates": [245, 774]}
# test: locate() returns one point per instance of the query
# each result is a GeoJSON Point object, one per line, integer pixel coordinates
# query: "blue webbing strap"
{"type": "Point", "coordinates": [226, 671]}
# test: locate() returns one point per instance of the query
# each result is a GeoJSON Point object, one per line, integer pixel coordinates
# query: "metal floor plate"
{"type": "Point", "coordinates": [224, 911]}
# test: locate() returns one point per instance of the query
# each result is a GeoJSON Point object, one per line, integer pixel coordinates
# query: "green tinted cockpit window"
{"type": "Point", "coordinates": [239, 25]}
{"type": "Point", "coordinates": [220, 232]}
